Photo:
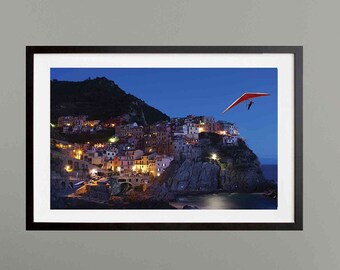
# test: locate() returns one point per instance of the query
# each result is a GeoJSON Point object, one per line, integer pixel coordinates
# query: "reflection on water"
{"type": "Point", "coordinates": [226, 201]}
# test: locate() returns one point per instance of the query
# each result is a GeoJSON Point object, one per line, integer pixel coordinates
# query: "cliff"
{"type": "Point", "coordinates": [192, 176]}
{"type": "Point", "coordinates": [236, 169]}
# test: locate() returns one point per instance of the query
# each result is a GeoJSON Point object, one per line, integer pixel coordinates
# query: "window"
{"type": "Point", "coordinates": [76, 166]}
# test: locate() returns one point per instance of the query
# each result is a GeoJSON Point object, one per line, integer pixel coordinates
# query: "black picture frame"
{"type": "Point", "coordinates": [298, 139]}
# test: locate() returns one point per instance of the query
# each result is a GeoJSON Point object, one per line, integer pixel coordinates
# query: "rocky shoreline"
{"type": "Point", "coordinates": [83, 202]}
{"type": "Point", "coordinates": [89, 203]}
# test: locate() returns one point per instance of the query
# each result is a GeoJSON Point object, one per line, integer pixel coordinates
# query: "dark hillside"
{"type": "Point", "coordinates": [101, 99]}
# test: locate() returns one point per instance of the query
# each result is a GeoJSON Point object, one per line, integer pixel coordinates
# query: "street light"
{"type": "Point", "coordinates": [68, 168]}
{"type": "Point", "coordinates": [214, 156]}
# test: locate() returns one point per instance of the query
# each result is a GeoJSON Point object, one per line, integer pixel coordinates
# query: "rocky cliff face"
{"type": "Point", "coordinates": [193, 176]}
{"type": "Point", "coordinates": [237, 169]}
{"type": "Point", "coordinates": [248, 180]}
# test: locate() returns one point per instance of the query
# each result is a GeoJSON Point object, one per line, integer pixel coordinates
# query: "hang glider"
{"type": "Point", "coordinates": [244, 97]}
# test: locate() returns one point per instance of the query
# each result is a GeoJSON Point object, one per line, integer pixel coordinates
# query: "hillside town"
{"type": "Point", "coordinates": [134, 154]}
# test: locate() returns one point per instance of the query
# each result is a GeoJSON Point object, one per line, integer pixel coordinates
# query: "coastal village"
{"type": "Point", "coordinates": [135, 155]}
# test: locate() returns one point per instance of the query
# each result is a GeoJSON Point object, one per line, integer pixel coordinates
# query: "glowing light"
{"type": "Point", "coordinates": [113, 140]}
{"type": "Point", "coordinates": [68, 168]}
{"type": "Point", "coordinates": [118, 169]}
{"type": "Point", "coordinates": [200, 129]}
{"type": "Point", "coordinates": [214, 156]}
{"type": "Point", "coordinates": [52, 125]}
{"type": "Point", "coordinates": [78, 154]}
{"type": "Point", "coordinates": [158, 174]}
{"type": "Point", "coordinates": [94, 171]}
{"type": "Point", "coordinates": [99, 145]}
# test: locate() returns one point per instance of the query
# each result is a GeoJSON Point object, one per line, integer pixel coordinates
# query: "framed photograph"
{"type": "Point", "coordinates": [164, 138]}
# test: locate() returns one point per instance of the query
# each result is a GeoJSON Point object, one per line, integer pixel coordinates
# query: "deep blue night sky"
{"type": "Point", "coordinates": [201, 91]}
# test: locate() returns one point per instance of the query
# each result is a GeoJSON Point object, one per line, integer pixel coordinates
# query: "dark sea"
{"type": "Point", "coordinates": [270, 172]}
{"type": "Point", "coordinates": [226, 201]}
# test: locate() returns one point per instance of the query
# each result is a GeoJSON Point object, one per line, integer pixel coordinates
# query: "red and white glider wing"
{"type": "Point", "coordinates": [245, 97]}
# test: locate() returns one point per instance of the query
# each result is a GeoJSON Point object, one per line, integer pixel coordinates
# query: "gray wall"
{"type": "Point", "coordinates": [308, 23]}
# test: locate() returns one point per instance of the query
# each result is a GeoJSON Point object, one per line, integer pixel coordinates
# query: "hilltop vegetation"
{"type": "Point", "coordinates": [100, 99]}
